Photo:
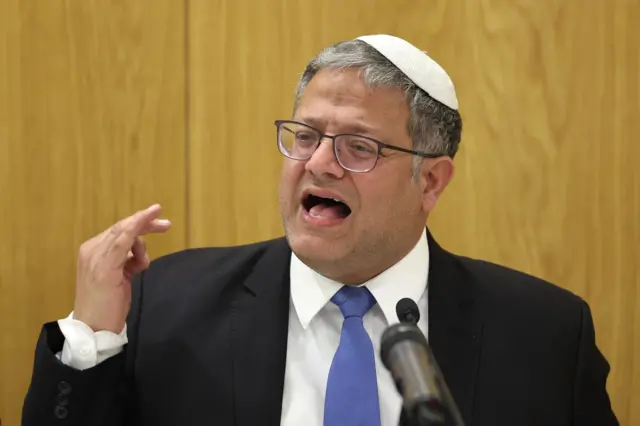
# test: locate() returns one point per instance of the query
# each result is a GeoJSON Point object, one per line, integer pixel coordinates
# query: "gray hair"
{"type": "Point", "coordinates": [433, 127]}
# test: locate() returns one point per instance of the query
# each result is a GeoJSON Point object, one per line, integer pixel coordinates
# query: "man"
{"type": "Point", "coordinates": [288, 331]}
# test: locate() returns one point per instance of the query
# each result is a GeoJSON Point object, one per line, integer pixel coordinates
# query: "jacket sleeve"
{"type": "Point", "coordinates": [592, 406]}
{"type": "Point", "coordinates": [98, 396]}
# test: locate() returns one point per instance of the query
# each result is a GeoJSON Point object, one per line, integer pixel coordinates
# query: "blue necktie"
{"type": "Point", "coordinates": [352, 388]}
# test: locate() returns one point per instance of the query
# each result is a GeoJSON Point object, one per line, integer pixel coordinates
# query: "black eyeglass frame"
{"type": "Point", "coordinates": [381, 145]}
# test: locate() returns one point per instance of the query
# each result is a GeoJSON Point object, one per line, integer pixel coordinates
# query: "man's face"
{"type": "Point", "coordinates": [385, 214]}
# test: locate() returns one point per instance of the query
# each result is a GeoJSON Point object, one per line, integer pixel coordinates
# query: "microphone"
{"type": "Point", "coordinates": [407, 311]}
{"type": "Point", "coordinates": [406, 354]}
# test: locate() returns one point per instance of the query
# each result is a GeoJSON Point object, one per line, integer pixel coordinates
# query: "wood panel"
{"type": "Point", "coordinates": [91, 128]}
{"type": "Point", "coordinates": [545, 180]}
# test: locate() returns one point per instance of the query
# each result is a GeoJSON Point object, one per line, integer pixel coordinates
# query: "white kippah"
{"type": "Point", "coordinates": [417, 65]}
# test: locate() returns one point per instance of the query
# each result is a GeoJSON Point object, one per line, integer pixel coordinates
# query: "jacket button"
{"type": "Point", "coordinates": [62, 399]}
{"type": "Point", "coordinates": [60, 412]}
{"type": "Point", "coordinates": [64, 388]}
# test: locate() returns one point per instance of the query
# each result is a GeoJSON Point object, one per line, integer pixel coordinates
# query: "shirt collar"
{"type": "Point", "coordinates": [310, 291]}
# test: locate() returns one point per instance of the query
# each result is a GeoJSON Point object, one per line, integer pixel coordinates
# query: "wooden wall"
{"type": "Point", "coordinates": [106, 107]}
{"type": "Point", "coordinates": [92, 126]}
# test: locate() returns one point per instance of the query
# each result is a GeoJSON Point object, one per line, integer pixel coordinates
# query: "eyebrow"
{"type": "Point", "coordinates": [358, 128]}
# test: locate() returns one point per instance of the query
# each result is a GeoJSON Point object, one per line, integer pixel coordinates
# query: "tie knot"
{"type": "Point", "coordinates": [354, 301]}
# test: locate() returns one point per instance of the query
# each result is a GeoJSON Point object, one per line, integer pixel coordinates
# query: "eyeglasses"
{"type": "Point", "coordinates": [354, 153]}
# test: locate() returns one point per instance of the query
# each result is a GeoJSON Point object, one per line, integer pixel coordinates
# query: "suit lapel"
{"type": "Point", "coordinates": [455, 330]}
{"type": "Point", "coordinates": [259, 327]}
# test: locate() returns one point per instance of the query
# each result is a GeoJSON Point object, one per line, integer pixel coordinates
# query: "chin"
{"type": "Point", "coordinates": [315, 248]}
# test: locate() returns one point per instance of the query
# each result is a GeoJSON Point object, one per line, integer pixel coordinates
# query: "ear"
{"type": "Point", "coordinates": [435, 175]}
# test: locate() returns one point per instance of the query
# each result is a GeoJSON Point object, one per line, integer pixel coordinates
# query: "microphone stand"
{"type": "Point", "coordinates": [425, 414]}
{"type": "Point", "coordinates": [433, 411]}
{"type": "Point", "coordinates": [434, 408]}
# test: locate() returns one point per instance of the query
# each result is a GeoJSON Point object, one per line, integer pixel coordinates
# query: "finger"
{"type": "Point", "coordinates": [128, 258]}
{"type": "Point", "coordinates": [132, 225]}
{"type": "Point", "coordinates": [139, 259]}
{"type": "Point", "coordinates": [156, 226]}
{"type": "Point", "coordinates": [139, 249]}
{"type": "Point", "coordinates": [116, 250]}
{"type": "Point", "coordinates": [133, 267]}
{"type": "Point", "coordinates": [137, 254]}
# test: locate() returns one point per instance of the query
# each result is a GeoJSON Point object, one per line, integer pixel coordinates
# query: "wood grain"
{"type": "Point", "coordinates": [546, 179]}
{"type": "Point", "coordinates": [91, 129]}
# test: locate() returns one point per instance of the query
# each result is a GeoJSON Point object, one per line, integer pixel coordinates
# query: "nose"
{"type": "Point", "coordinates": [323, 162]}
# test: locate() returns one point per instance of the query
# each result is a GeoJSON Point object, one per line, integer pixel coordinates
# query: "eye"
{"type": "Point", "coordinates": [362, 147]}
{"type": "Point", "coordinates": [305, 137]}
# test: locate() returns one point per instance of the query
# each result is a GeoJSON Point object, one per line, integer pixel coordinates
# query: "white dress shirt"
{"type": "Point", "coordinates": [314, 333]}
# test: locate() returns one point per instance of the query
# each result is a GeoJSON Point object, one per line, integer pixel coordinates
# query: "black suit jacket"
{"type": "Point", "coordinates": [208, 335]}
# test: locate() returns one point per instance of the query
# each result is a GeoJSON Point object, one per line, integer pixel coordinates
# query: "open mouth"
{"type": "Point", "coordinates": [328, 208]}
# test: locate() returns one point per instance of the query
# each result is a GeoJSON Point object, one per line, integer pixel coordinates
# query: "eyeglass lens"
{"type": "Point", "coordinates": [354, 153]}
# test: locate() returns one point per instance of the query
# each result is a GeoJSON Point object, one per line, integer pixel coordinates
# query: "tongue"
{"type": "Point", "coordinates": [326, 211]}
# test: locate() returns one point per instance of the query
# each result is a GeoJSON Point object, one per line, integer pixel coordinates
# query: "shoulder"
{"type": "Point", "coordinates": [194, 267]}
{"type": "Point", "coordinates": [221, 256]}
{"type": "Point", "coordinates": [511, 283]}
{"type": "Point", "coordinates": [508, 294]}
{"type": "Point", "coordinates": [204, 279]}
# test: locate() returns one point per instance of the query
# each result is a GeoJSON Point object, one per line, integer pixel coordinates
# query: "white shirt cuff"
{"type": "Point", "coordinates": [83, 348]}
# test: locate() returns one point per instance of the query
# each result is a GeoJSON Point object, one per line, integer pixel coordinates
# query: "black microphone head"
{"type": "Point", "coordinates": [407, 311]}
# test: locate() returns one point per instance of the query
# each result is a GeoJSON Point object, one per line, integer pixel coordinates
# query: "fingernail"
{"type": "Point", "coordinates": [164, 222]}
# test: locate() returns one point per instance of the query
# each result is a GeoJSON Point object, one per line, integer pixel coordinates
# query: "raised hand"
{"type": "Point", "coordinates": [106, 264]}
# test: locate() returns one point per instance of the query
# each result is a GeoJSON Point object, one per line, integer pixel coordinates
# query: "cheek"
{"type": "Point", "coordinates": [290, 177]}
{"type": "Point", "coordinates": [387, 199]}
{"type": "Point", "coordinates": [375, 198]}
{"type": "Point", "coordinates": [377, 207]}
